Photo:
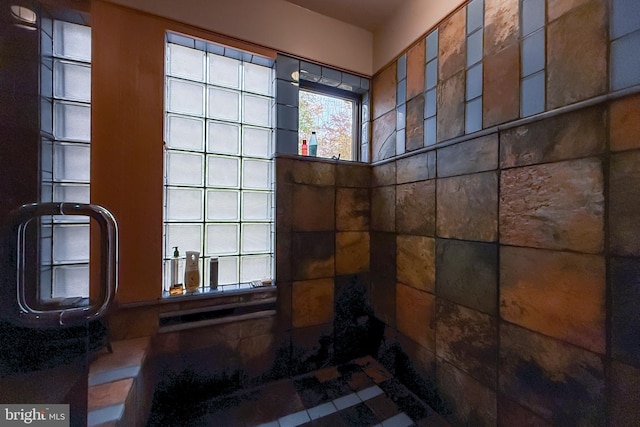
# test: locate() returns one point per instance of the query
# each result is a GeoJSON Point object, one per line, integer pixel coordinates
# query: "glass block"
{"type": "Point", "coordinates": [184, 204]}
{"type": "Point", "coordinates": [71, 243]}
{"type": "Point", "coordinates": [228, 270]}
{"type": "Point", "coordinates": [366, 132]}
{"type": "Point", "coordinates": [474, 48]}
{"type": "Point", "coordinates": [256, 206]}
{"type": "Point", "coordinates": [401, 93]}
{"type": "Point", "coordinates": [401, 116]}
{"type": "Point", "coordinates": [402, 67]}
{"type": "Point", "coordinates": [364, 153]}
{"type": "Point", "coordinates": [185, 62]}
{"type": "Point", "coordinates": [287, 117]}
{"type": "Point", "coordinates": [223, 138]}
{"type": "Point", "coordinates": [258, 79]}
{"type": "Point", "coordinates": [432, 45]}
{"type": "Point", "coordinates": [224, 104]}
{"type": "Point", "coordinates": [71, 162]}
{"type": "Point", "coordinates": [532, 98]}
{"type": "Point", "coordinates": [46, 115]}
{"type": "Point", "coordinates": [256, 238]}
{"type": "Point", "coordinates": [222, 239]}
{"type": "Point", "coordinates": [400, 142]}
{"type": "Point", "coordinates": [72, 81]}
{"type": "Point", "coordinates": [473, 116]}
{"type": "Point", "coordinates": [185, 97]}
{"type": "Point", "coordinates": [72, 41]}
{"type": "Point", "coordinates": [475, 15]}
{"type": "Point", "coordinates": [255, 268]}
{"type": "Point", "coordinates": [187, 237]}
{"type": "Point", "coordinates": [474, 82]}
{"type": "Point", "coordinates": [286, 93]}
{"type": "Point", "coordinates": [533, 52]}
{"type": "Point", "coordinates": [184, 168]}
{"type": "Point", "coordinates": [256, 174]}
{"type": "Point", "coordinates": [430, 131]}
{"type": "Point", "coordinates": [46, 192]}
{"type": "Point", "coordinates": [625, 18]}
{"type": "Point", "coordinates": [257, 142]}
{"type": "Point", "coordinates": [430, 103]}
{"type": "Point", "coordinates": [186, 133]}
{"type": "Point", "coordinates": [533, 16]}
{"type": "Point", "coordinates": [625, 61]}
{"type": "Point", "coordinates": [256, 110]}
{"type": "Point", "coordinates": [72, 121]}
{"type": "Point", "coordinates": [431, 74]}
{"type": "Point", "coordinates": [224, 71]}
{"type": "Point", "coordinates": [223, 205]}
{"type": "Point", "coordinates": [71, 193]}
{"type": "Point", "coordinates": [70, 281]}
{"type": "Point", "coordinates": [223, 171]}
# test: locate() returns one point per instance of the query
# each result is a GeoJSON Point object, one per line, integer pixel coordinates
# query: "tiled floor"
{"type": "Point", "coordinates": [360, 393]}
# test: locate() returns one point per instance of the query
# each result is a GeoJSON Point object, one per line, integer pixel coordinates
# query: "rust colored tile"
{"type": "Point", "coordinates": [313, 172]}
{"type": "Point", "coordinates": [359, 381]}
{"type": "Point", "coordinates": [383, 174]}
{"type": "Point", "coordinates": [415, 123]}
{"type": "Point", "coordinates": [416, 168]}
{"type": "Point", "coordinates": [450, 101]}
{"type": "Point", "coordinates": [312, 302]}
{"type": "Point", "coordinates": [284, 170]}
{"type": "Point", "coordinates": [624, 276]}
{"type": "Point", "coordinates": [383, 91]}
{"type": "Point", "coordinates": [501, 25]}
{"type": "Point", "coordinates": [283, 257]}
{"type": "Point", "coordinates": [562, 384]}
{"type": "Point", "coordinates": [415, 314]}
{"type": "Point", "coordinates": [377, 372]}
{"type": "Point", "coordinates": [126, 353]}
{"type": "Point", "coordinates": [625, 395]}
{"type": "Point", "coordinates": [313, 208]}
{"type": "Point", "coordinates": [467, 207]}
{"type": "Point", "coordinates": [557, 8]}
{"type": "Point", "coordinates": [353, 209]}
{"type": "Point", "coordinates": [559, 294]}
{"type": "Point", "coordinates": [383, 143]}
{"type": "Point", "coordinates": [416, 264]}
{"type": "Point", "coordinates": [383, 209]}
{"type": "Point", "coordinates": [107, 394]}
{"type": "Point", "coordinates": [452, 45]}
{"type": "Point", "coordinates": [554, 206]}
{"type": "Point", "coordinates": [353, 175]}
{"type": "Point", "coordinates": [313, 255]}
{"type": "Point", "coordinates": [284, 206]}
{"type": "Point", "coordinates": [364, 361]}
{"type": "Point", "coordinates": [383, 407]}
{"type": "Point", "coordinates": [511, 414]}
{"type": "Point", "coordinates": [624, 124]}
{"type": "Point", "coordinates": [501, 86]}
{"type": "Point", "coordinates": [352, 252]}
{"type": "Point", "coordinates": [327, 374]}
{"type": "Point", "coordinates": [415, 69]}
{"type": "Point", "coordinates": [422, 359]}
{"type": "Point", "coordinates": [577, 74]}
{"type": "Point", "coordinates": [416, 208]}
{"type": "Point", "coordinates": [624, 198]}
{"type": "Point", "coordinates": [475, 155]}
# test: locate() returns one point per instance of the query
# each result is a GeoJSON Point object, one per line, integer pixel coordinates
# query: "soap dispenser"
{"type": "Point", "coordinates": [174, 266]}
{"type": "Point", "coordinates": [192, 271]}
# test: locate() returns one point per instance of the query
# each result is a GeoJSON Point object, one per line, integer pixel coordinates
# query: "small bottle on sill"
{"type": "Point", "coordinates": [305, 150]}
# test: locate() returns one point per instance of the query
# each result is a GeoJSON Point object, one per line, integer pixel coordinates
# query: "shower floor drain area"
{"type": "Point", "coordinates": [359, 393]}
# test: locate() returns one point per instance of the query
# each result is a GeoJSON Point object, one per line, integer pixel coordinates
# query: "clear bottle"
{"type": "Point", "coordinates": [313, 145]}
{"type": "Point", "coordinates": [174, 266]}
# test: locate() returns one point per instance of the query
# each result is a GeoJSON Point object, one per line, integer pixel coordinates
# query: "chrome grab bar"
{"type": "Point", "coordinates": [30, 316]}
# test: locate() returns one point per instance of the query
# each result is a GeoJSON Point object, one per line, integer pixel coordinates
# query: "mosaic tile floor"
{"type": "Point", "coordinates": [359, 393]}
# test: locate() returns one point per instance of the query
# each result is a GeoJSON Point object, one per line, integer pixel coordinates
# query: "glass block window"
{"type": "Point", "coordinates": [401, 104]}
{"type": "Point", "coordinates": [532, 84]}
{"type": "Point", "coordinates": [219, 115]}
{"type": "Point", "coordinates": [473, 94]}
{"type": "Point", "coordinates": [65, 88]}
{"type": "Point", "coordinates": [625, 39]}
{"type": "Point", "coordinates": [431, 88]}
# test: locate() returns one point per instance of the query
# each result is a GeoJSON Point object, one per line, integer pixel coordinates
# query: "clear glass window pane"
{"type": "Point", "coordinates": [256, 238]}
{"type": "Point", "coordinates": [71, 162]}
{"type": "Point", "coordinates": [222, 239]}
{"type": "Point", "coordinates": [184, 168]}
{"type": "Point", "coordinates": [71, 193]}
{"type": "Point", "coordinates": [70, 243]}
{"type": "Point", "coordinates": [72, 121]}
{"type": "Point", "coordinates": [474, 82]}
{"type": "Point", "coordinates": [430, 103]}
{"type": "Point", "coordinates": [187, 237]}
{"type": "Point", "coordinates": [533, 16]}
{"type": "Point", "coordinates": [223, 138]}
{"type": "Point", "coordinates": [185, 97]}
{"type": "Point", "coordinates": [256, 174]}
{"type": "Point", "coordinates": [533, 97]}
{"type": "Point", "coordinates": [256, 206]}
{"type": "Point", "coordinates": [70, 281]}
{"type": "Point", "coordinates": [186, 133]}
{"type": "Point", "coordinates": [258, 79]}
{"type": "Point", "coordinates": [431, 74]}
{"type": "Point", "coordinates": [256, 142]}
{"type": "Point", "coordinates": [185, 62]}
{"type": "Point", "coordinates": [224, 71]}
{"type": "Point", "coordinates": [184, 204]}
{"type": "Point", "coordinates": [401, 116]}
{"type": "Point", "coordinates": [72, 81]}
{"type": "Point", "coordinates": [475, 15]}
{"type": "Point", "coordinates": [223, 172]}
{"type": "Point", "coordinates": [430, 131]}
{"type": "Point", "coordinates": [256, 110]}
{"type": "Point", "coordinates": [474, 48]}
{"type": "Point", "coordinates": [473, 116]}
{"type": "Point", "coordinates": [224, 104]}
{"type": "Point", "coordinates": [228, 270]}
{"type": "Point", "coordinates": [625, 61]}
{"type": "Point", "coordinates": [255, 268]}
{"type": "Point", "coordinates": [72, 41]}
{"type": "Point", "coordinates": [533, 53]}
{"type": "Point", "coordinates": [432, 45]}
{"type": "Point", "coordinates": [223, 205]}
